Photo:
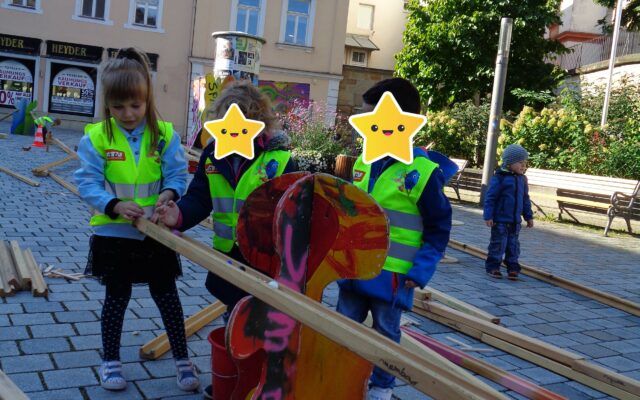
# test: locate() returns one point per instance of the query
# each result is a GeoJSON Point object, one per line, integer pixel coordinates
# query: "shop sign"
{"type": "Point", "coordinates": [19, 44]}
{"type": "Point", "coordinates": [16, 82]}
{"type": "Point", "coordinates": [153, 57]}
{"type": "Point", "coordinates": [72, 51]}
{"type": "Point", "coordinates": [72, 91]}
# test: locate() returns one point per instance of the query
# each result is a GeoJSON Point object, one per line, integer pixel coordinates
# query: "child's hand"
{"type": "Point", "coordinates": [489, 223]}
{"type": "Point", "coordinates": [409, 284]}
{"type": "Point", "coordinates": [129, 210]}
{"type": "Point", "coordinates": [164, 198]}
{"type": "Point", "coordinates": [168, 214]}
{"type": "Point", "coordinates": [530, 223]}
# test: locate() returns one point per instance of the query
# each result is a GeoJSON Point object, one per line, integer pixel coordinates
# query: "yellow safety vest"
{"type": "Point", "coordinates": [400, 205]}
{"type": "Point", "coordinates": [122, 177]}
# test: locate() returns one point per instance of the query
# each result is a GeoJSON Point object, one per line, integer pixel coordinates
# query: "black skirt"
{"type": "Point", "coordinates": [113, 259]}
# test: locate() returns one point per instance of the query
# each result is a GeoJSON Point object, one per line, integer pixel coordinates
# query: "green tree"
{"type": "Point", "coordinates": [630, 14]}
{"type": "Point", "coordinates": [450, 48]}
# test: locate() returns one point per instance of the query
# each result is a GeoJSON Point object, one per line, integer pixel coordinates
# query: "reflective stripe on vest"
{"type": "Point", "coordinates": [125, 179]}
{"type": "Point", "coordinates": [227, 202]}
{"type": "Point", "coordinates": [400, 204]}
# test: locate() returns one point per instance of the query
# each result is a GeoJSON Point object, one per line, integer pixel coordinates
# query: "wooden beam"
{"type": "Point", "coordinates": [541, 353]}
{"type": "Point", "coordinates": [603, 297]}
{"type": "Point", "coordinates": [456, 304]}
{"type": "Point", "coordinates": [20, 177]}
{"type": "Point", "coordinates": [416, 341]}
{"type": "Point", "coordinates": [42, 170]}
{"type": "Point", "coordinates": [63, 146]}
{"type": "Point", "coordinates": [38, 285]}
{"type": "Point", "coordinates": [420, 372]}
{"type": "Point", "coordinates": [64, 183]}
{"type": "Point", "coordinates": [10, 282]}
{"type": "Point", "coordinates": [22, 270]}
{"type": "Point", "coordinates": [9, 390]}
{"type": "Point", "coordinates": [156, 347]}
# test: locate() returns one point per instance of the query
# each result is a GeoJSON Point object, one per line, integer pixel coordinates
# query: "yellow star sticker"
{"type": "Point", "coordinates": [234, 133]}
{"type": "Point", "coordinates": [387, 131]}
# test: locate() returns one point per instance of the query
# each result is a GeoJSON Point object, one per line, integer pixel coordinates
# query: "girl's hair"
{"type": "Point", "coordinates": [254, 105]}
{"type": "Point", "coordinates": [127, 77]}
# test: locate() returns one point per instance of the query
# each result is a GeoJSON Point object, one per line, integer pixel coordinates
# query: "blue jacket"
{"type": "Point", "coordinates": [90, 179]}
{"type": "Point", "coordinates": [436, 220]}
{"type": "Point", "coordinates": [507, 199]}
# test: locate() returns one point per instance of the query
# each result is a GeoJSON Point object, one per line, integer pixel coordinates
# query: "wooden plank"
{"type": "Point", "coordinates": [63, 146]}
{"type": "Point", "coordinates": [156, 347]}
{"type": "Point", "coordinates": [535, 345]}
{"type": "Point", "coordinates": [43, 169]}
{"type": "Point", "coordinates": [22, 270]}
{"type": "Point", "coordinates": [416, 341]}
{"type": "Point", "coordinates": [422, 373]}
{"type": "Point", "coordinates": [559, 368]}
{"type": "Point", "coordinates": [603, 297]}
{"type": "Point", "coordinates": [3, 135]}
{"type": "Point", "coordinates": [545, 353]}
{"type": "Point", "coordinates": [454, 303]}
{"type": "Point", "coordinates": [20, 177]}
{"type": "Point", "coordinates": [64, 183]}
{"type": "Point", "coordinates": [7, 270]}
{"type": "Point", "coordinates": [38, 285]}
{"type": "Point", "coordinates": [9, 390]}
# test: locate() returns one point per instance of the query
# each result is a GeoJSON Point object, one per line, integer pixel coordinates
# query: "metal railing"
{"type": "Point", "coordinates": [597, 50]}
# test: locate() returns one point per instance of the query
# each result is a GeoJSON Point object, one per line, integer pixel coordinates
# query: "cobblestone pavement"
{"type": "Point", "coordinates": [51, 347]}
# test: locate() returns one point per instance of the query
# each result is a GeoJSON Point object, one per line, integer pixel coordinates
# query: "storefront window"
{"type": "Point", "coordinates": [16, 81]}
{"type": "Point", "coordinates": [72, 90]}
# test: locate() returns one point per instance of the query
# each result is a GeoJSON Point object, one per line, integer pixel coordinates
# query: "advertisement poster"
{"type": "Point", "coordinates": [72, 92]}
{"type": "Point", "coordinates": [16, 82]}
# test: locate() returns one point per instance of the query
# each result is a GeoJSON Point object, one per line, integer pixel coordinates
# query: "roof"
{"type": "Point", "coordinates": [360, 41]}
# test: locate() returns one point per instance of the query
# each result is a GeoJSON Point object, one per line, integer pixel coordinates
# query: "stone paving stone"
{"type": "Point", "coordinates": [88, 328]}
{"type": "Point", "coordinates": [622, 364]}
{"type": "Point", "coordinates": [8, 348]}
{"type": "Point", "coordinates": [64, 394]}
{"type": "Point", "coordinates": [29, 382]}
{"type": "Point", "coordinates": [76, 316]}
{"type": "Point", "coordinates": [31, 319]}
{"type": "Point", "coordinates": [69, 378]}
{"type": "Point", "coordinates": [11, 309]}
{"type": "Point", "coordinates": [13, 333]}
{"type": "Point", "coordinates": [76, 359]}
{"type": "Point", "coordinates": [594, 350]}
{"type": "Point", "coordinates": [85, 305]}
{"type": "Point", "coordinates": [86, 342]}
{"type": "Point", "coordinates": [30, 363]}
{"type": "Point", "coordinates": [601, 335]}
{"type": "Point", "coordinates": [161, 387]}
{"type": "Point", "coordinates": [49, 331]}
{"type": "Point", "coordinates": [43, 307]}
{"type": "Point", "coordinates": [4, 320]}
{"type": "Point", "coordinates": [45, 345]}
{"type": "Point", "coordinates": [98, 393]}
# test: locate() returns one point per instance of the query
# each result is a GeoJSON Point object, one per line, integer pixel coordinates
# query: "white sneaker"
{"type": "Point", "coordinates": [111, 376]}
{"type": "Point", "coordinates": [378, 393]}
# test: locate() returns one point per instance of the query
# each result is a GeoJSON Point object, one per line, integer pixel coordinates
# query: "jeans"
{"type": "Point", "coordinates": [386, 321]}
{"type": "Point", "coordinates": [504, 242]}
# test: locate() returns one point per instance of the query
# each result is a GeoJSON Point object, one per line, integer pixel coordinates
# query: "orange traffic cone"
{"type": "Point", "coordinates": [38, 140]}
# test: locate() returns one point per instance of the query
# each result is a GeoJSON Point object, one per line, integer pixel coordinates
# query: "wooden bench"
{"type": "Point", "coordinates": [588, 193]}
{"type": "Point", "coordinates": [455, 181]}
{"type": "Point", "coordinates": [625, 205]}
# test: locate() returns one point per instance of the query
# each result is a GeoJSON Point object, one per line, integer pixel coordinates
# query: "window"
{"type": "Point", "coordinates": [32, 6]}
{"type": "Point", "coordinates": [359, 57]}
{"type": "Point", "coordinates": [145, 15]}
{"type": "Point", "coordinates": [365, 16]}
{"type": "Point", "coordinates": [93, 9]}
{"type": "Point", "coordinates": [297, 22]}
{"type": "Point", "coordinates": [248, 16]}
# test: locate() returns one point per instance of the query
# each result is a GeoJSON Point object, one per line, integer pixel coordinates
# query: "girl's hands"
{"type": "Point", "coordinates": [128, 210]}
{"type": "Point", "coordinates": [167, 213]}
{"type": "Point", "coordinates": [489, 223]}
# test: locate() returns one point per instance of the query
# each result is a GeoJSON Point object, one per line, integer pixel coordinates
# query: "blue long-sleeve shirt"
{"type": "Point", "coordinates": [90, 178]}
{"type": "Point", "coordinates": [507, 199]}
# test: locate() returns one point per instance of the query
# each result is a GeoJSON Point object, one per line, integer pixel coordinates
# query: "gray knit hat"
{"type": "Point", "coordinates": [514, 153]}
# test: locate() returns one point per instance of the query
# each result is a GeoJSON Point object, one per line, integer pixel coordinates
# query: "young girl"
{"type": "Point", "coordinates": [219, 187]}
{"type": "Point", "coordinates": [131, 163]}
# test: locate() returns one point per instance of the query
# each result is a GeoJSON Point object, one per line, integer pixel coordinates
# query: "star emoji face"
{"type": "Point", "coordinates": [234, 133]}
{"type": "Point", "coordinates": [387, 131]}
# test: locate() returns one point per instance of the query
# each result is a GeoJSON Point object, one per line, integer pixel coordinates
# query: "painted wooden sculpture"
{"type": "Point", "coordinates": [323, 229]}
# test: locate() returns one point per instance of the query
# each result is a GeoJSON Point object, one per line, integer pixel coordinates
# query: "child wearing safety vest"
{"type": "Point", "coordinates": [131, 163]}
{"type": "Point", "coordinates": [419, 224]}
{"type": "Point", "coordinates": [220, 187]}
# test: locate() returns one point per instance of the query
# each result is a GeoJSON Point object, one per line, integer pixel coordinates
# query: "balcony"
{"type": "Point", "coordinates": [598, 50]}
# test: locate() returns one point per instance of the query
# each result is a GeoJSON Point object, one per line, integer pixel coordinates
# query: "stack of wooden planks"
{"type": "Point", "coordinates": [19, 271]}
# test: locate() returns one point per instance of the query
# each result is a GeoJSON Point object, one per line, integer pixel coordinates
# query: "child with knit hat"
{"type": "Point", "coordinates": [506, 202]}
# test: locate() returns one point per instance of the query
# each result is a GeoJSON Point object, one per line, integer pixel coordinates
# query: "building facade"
{"type": "Point", "coordinates": [51, 52]}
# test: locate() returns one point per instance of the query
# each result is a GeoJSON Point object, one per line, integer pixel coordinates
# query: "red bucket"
{"type": "Point", "coordinates": [223, 369]}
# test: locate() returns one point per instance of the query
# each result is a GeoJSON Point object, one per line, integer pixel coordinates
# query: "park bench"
{"type": "Point", "coordinates": [589, 193]}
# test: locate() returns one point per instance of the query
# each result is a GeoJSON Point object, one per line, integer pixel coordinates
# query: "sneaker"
{"type": "Point", "coordinates": [208, 392]}
{"type": "Point", "coordinates": [513, 275]}
{"type": "Point", "coordinates": [111, 376]}
{"type": "Point", "coordinates": [378, 393]}
{"type": "Point", "coordinates": [187, 376]}
{"type": "Point", "coordinates": [495, 274]}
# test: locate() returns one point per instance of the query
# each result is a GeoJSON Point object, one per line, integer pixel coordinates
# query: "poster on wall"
{"type": "Point", "coordinates": [285, 95]}
{"type": "Point", "coordinates": [16, 81]}
{"type": "Point", "coordinates": [72, 90]}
